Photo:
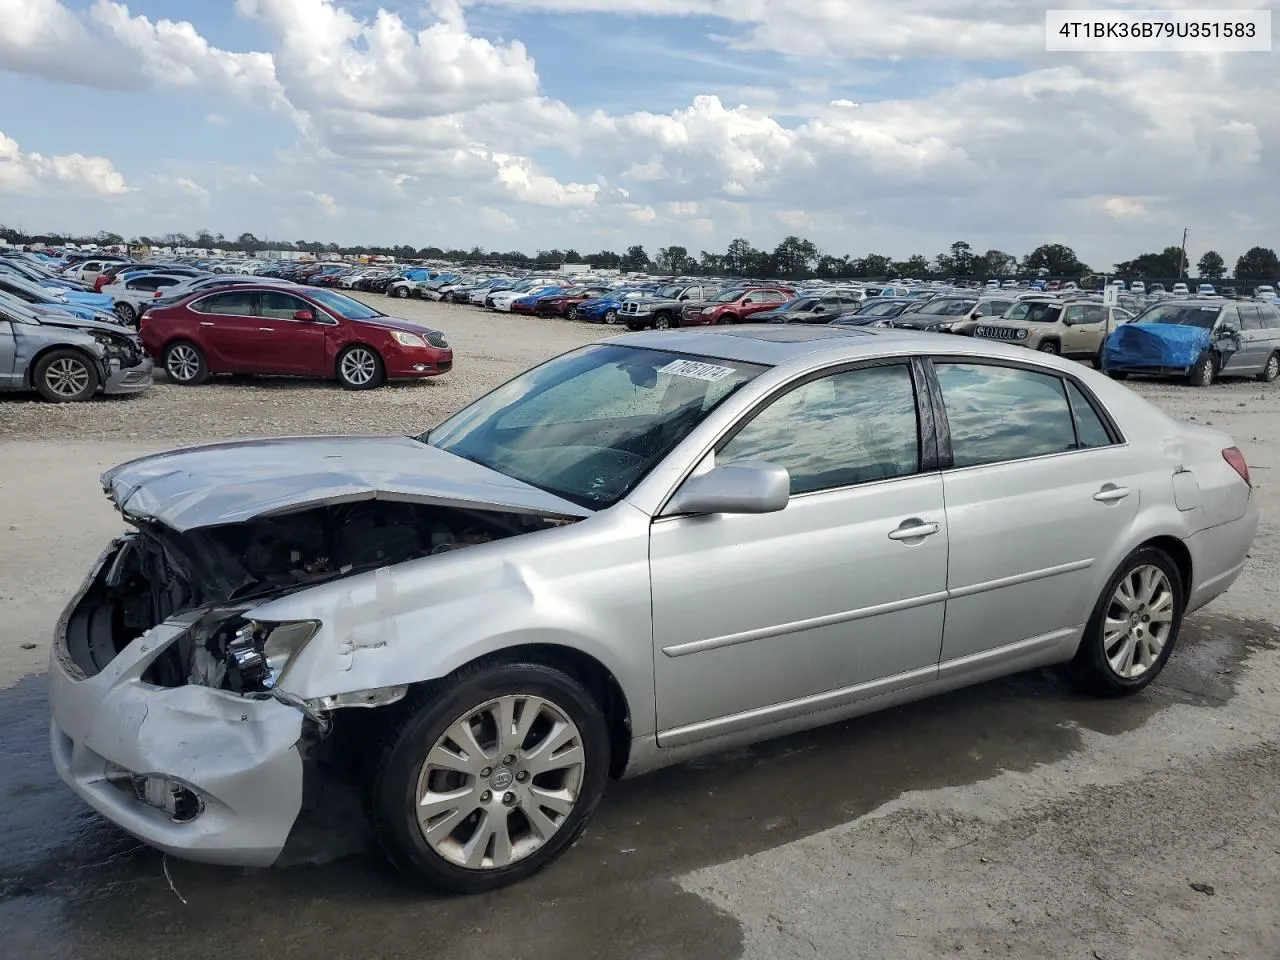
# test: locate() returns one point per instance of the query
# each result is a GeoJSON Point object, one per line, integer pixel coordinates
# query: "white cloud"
{"type": "Point", "coordinates": [189, 186]}
{"type": "Point", "coordinates": [1123, 208]}
{"type": "Point", "coordinates": [497, 221]}
{"type": "Point", "coordinates": [72, 173]}
{"type": "Point", "coordinates": [328, 205]}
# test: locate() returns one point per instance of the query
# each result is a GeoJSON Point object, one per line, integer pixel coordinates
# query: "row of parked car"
{"type": "Point", "coordinates": [58, 338]}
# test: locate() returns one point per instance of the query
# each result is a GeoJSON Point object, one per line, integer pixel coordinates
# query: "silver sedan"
{"type": "Point", "coordinates": [657, 546]}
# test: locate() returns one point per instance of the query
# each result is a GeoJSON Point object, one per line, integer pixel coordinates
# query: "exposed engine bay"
{"type": "Point", "coordinates": [158, 573]}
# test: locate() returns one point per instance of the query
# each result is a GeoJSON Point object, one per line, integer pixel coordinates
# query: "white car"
{"type": "Point", "coordinates": [132, 295]}
{"type": "Point", "coordinates": [503, 300]}
{"type": "Point", "coordinates": [1207, 289]}
{"type": "Point", "coordinates": [1137, 287]}
{"type": "Point", "coordinates": [1180, 289]}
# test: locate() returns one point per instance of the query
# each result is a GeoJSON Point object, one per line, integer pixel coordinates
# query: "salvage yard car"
{"type": "Point", "coordinates": [66, 358]}
{"type": "Point", "coordinates": [1072, 328]}
{"type": "Point", "coordinates": [1200, 340]}
{"type": "Point", "coordinates": [275, 330]}
{"type": "Point", "coordinates": [649, 548]}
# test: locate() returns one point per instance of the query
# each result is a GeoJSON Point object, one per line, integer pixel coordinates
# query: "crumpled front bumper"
{"type": "Point", "coordinates": [239, 755]}
{"type": "Point", "coordinates": [133, 379]}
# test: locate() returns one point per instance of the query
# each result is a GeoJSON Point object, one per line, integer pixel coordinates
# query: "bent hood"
{"type": "Point", "coordinates": [233, 482]}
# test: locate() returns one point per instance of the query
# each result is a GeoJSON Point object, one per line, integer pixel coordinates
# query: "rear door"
{"type": "Point", "coordinates": [289, 345]}
{"type": "Point", "coordinates": [1254, 342]}
{"type": "Point", "coordinates": [1037, 485]}
{"type": "Point", "coordinates": [228, 331]}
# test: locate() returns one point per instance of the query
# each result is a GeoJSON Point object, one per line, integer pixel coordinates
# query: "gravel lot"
{"type": "Point", "coordinates": [1015, 819]}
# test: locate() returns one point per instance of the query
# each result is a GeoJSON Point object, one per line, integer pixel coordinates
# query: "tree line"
{"type": "Point", "coordinates": [794, 258]}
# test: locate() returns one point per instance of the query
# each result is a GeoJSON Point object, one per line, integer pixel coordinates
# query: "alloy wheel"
{"type": "Point", "coordinates": [1138, 621]}
{"type": "Point", "coordinates": [500, 782]}
{"type": "Point", "coordinates": [67, 377]}
{"type": "Point", "coordinates": [1272, 370]}
{"type": "Point", "coordinates": [359, 366]}
{"type": "Point", "coordinates": [182, 364]}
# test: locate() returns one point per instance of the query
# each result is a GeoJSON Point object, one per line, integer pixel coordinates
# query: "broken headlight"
{"type": "Point", "coordinates": [257, 654]}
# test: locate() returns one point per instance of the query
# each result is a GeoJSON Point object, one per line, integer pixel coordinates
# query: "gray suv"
{"type": "Point", "coordinates": [65, 358]}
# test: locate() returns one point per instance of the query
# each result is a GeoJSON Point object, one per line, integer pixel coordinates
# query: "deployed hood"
{"type": "Point", "coordinates": [233, 482]}
{"type": "Point", "coordinates": [53, 317]}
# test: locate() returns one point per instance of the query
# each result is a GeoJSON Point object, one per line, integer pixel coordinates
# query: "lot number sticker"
{"type": "Point", "coordinates": [698, 371]}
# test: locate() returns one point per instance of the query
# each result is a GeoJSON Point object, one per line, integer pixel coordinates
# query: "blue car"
{"type": "Point", "coordinates": [605, 309]}
{"type": "Point", "coordinates": [37, 296]}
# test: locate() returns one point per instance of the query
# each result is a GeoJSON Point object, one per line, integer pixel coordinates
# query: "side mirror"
{"type": "Point", "coordinates": [304, 315]}
{"type": "Point", "coordinates": [749, 486]}
{"type": "Point", "coordinates": [1228, 332]}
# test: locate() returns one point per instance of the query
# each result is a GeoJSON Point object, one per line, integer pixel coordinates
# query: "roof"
{"type": "Point", "coordinates": [776, 344]}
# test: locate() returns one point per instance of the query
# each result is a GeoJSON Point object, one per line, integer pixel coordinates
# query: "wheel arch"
{"type": "Point", "coordinates": [28, 379]}
{"type": "Point", "coordinates": [1176, 551]}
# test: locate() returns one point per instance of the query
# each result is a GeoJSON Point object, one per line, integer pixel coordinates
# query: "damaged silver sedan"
{"type": "Point", "coordinates": [641, 551]}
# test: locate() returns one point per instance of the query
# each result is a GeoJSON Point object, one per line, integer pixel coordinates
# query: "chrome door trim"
{"type": "Point", "coordinates": [1019, 578]}
{"type": "Point", "coordinates": [796, 626]}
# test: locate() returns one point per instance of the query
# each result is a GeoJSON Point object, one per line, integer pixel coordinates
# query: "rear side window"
{"type": "Point", "coordinates": [1004, 413]}
{"type": "Point", "coordinates": [1270, 316]}
{"type": "Point", "coordinates": [228, 304]}
{"type": "Point", "coordinates": [1249, 318]}
{"type": "Point", "coordinates": [1090, 430]}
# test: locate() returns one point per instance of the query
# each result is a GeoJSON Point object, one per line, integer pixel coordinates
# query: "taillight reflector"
{"type": "Point", "coordinates": [1235, 457]}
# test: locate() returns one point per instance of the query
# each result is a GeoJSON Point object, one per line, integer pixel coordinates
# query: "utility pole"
{"type": "Point", "coordinates": [1182, 257]}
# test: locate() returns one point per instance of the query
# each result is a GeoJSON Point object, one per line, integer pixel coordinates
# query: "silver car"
{"type": "Point", "coordinates": [650, 548]}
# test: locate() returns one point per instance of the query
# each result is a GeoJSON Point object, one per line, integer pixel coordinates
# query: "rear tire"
{"type": "Point", "coordinates": [1203, 372]}
{"type": "Point", "coordinates": [126, 312]}
{"type": "Point", "coordinates": [476, 697]}
{"type": "Point", "coordinates": [1118, 626]}
{"type": "Point", "coordinates": [65, 376]}
{"type": "Point", "coordinates": [572, 312]}
{"type": "Point", "coordinates": [1271, 371]}
{"type": "Point", "coordinates": [184, 363]}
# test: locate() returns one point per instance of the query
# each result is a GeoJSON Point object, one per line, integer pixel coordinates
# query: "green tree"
{"type": "Point", "coordinates": [994, 263]}
{"type": "Point", "coordinates": [873, 265]}
{"type": "Point", "coordinates": [1055, 260]}
{"type": "Point", "coordinates": [741, 258]}
{"type": "Point", "coordinates": [1162, 264]}
{"type": "Point", "coordinates": [1211, 266]}
{"type": "Point", "coordinates": [604, 260]}
{"type": "Point", "coordinates": [1258, 264]}
{"type": "Point", "coordinates": [634, 260]}
{"type": "Point", "coordinates": [711, 263]}
{"type": "Point", "coordinates": [830, 267]}
{"type": "Point", "coordinates": [672, 259]}
{"type": "Point", "coordinates": [794, 258]}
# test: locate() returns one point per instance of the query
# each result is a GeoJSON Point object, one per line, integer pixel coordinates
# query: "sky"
{"type": "Point", "coordinates": [868, 126]}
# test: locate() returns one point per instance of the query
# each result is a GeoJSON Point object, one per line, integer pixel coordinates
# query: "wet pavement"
{"type": "Point", "coordinates": [72, 885]}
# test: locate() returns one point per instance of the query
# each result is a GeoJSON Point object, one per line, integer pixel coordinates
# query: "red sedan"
{"type": "Point", "coordinates": [735, 305]}
{"type": "Point", "coordinates": [289, 331]}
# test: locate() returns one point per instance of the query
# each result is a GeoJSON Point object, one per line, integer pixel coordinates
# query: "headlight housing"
{"type": "Point", "coordinates": [1021, 335]}
{"type": "Point", "coordinates": [407, 339]}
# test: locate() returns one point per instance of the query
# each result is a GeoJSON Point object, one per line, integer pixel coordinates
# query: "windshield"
{"type": "Point", "coordinates": [670, 291]}
{"type": "Point", "coordinates": [1187, 315]}
{"type": "Point", "coordinates": [886, 309]}
{"type": "Point", "coordinates": [946, 308]}
{"type": "Point", "coordinates": [806, 303]}
{"type": "Point", "coordinates": [728, 296]}
{"type": "Point", "coordinates": [589, 425]}
{"type": "Point", "coordinates": [343, 305]}
{"type": "Point", "coordinates": [1033, 312]}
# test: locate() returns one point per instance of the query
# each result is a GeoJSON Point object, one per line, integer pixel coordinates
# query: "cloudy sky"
{"type": "Point", "coordinates": [889, 126]}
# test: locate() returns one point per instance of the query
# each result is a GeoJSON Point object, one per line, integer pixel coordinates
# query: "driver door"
{"type": "Point", "coordinates": [768, 617]}
{"type": "Point", "coordinates": [1229, 343]}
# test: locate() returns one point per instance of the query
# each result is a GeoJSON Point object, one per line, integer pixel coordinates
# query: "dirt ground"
{"type": "Point", "coordinates": [1014, 819]}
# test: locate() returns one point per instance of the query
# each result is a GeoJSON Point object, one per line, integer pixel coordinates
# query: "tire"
{"type": "Point", "coordinates": [1093, 669]}
{"type": "Point", "coordinates": [633, 327]}
{"type": "Point", "coordinates": [726, 320]}
{"type": "Point", "coordinates": [65, 376]}
{"type": "Point", "coordinates": [611, 316]}
{"type": "Point", "coordinates": [360, 368]}
{"type": "Point", "coordinates": [126, 312]}
{"type": "Point", "coordinates": [662, 321]}
{"type": "Point", "coordinates": [1271, 371]}
{"type": "Point", "coordinates": [1050, 346]}
{"type": "Point", "coordinates": [572, 312]}
{"type": "Point", "coordinates": [402, 776]}
{"type": "Point", "coordinates": [1203, 372]}
{"type": "Point", "coordinates": [447, 297]}
{"type": "Point", "coordinates": [1116, 375]}
{"type": "Point", "coordinates": [184, 363]}
{"type": "Point", "coordinates": [402, 293]}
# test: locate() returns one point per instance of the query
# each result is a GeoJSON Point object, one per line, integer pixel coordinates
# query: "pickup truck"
{"type": "Point", "coordinates": [664, 308]}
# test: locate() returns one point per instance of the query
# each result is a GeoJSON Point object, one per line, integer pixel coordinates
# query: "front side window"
{"type": "Point", "coordinates": [847, 428]}
{"type": "Point", "coordinates": [1004, 413]}
{"type": "Point", "coordinates": [280, 306]}
{"type": "Point", "coordinates": [590, 425]}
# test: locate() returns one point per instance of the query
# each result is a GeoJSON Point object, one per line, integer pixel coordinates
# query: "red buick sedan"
{"type": "Point", "coordinates": [289, 331]}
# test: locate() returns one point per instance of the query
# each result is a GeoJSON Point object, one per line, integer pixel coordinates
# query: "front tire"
{"type": "Point", "coordinates": [662, 321]}
{"type": "Point", "coordinates": [1134, 626]}
{"type": "Point", "coordinates": [572, 312]}
{"type": "Point", "coordinates": [611, 316]}
{"type": "Point", "coordinates": [491, 779]}
{"type": "Point", "coordinates": [1271, 371]}
{"type": "Point", "coordinates": [402, 293]}
{"type": "Point", "coordinates": [65, 376]}
{"type": "Point", "coordinates": [1203, 372]}
{"type": "Point", "coordinates": [1049, 346]}
{"type": "Point", "coordinates": [360, 368]}
{"type": "Point", "coordinates": [184, 363]}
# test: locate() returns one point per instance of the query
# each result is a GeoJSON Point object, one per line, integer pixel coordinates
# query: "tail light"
{"type": "Point", "coordinates": [1235, 457]}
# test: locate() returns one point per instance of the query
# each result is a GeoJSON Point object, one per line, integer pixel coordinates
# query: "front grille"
{"type": "Point", "coordinates": [436, 339]}
{"type": "Point", "coordinates": [631, 307]}
{"type": "Point", "coordinates": [998, 333]}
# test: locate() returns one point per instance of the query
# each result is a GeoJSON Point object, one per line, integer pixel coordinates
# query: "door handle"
{"type": "Point", "coordinates": [914, 529]}
{"type": "Point", "coordinates": [206, 323]}
{"type": "Point", "coordinates": [267, 329]}
{"type": "Point", "coordinates": [1110, 493]}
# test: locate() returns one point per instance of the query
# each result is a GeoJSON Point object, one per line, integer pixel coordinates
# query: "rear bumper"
{"type": "Point", "coordinates": [1218, 556]}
